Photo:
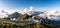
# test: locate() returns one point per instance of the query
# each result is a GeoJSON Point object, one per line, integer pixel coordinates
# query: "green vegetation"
{"type": "Point", "coordinates": [8, 24]}
{"type": "Point", "coordinates": [11, 25]}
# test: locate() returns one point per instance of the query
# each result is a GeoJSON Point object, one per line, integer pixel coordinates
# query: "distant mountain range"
{"type": "Point", "coordinates": [51, 15]}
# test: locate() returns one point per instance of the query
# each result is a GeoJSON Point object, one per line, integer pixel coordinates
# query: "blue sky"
{"type": "Point", "coordinates": [37, 4]}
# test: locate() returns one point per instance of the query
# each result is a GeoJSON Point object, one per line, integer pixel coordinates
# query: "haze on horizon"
{"type": "Point", "coordinates": [37, 4]}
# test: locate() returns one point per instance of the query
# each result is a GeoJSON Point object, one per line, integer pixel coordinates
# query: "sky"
{"type": "Point", "coordinates": [37, 4]}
